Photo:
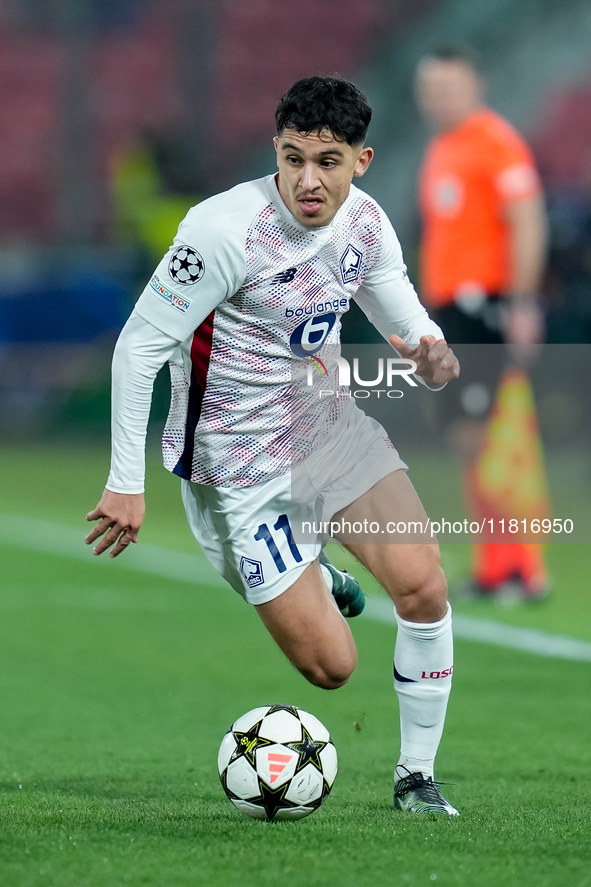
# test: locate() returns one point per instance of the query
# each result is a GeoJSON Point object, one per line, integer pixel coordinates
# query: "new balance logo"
{"type": "Point", "coordinates": [285, 276]}
{"type": "Point", "coordinates": [277, 764]}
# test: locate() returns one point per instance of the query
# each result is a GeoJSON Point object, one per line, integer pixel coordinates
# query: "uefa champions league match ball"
{"type": "Point", "coordinates": [277, 762]}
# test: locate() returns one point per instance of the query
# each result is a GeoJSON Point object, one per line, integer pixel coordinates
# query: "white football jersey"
{"type": "Point", "coordinates": [250, 293]}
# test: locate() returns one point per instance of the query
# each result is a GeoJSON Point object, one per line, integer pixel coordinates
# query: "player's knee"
{"type": "Point", "coordinates": [423, 597]}
{"type": "Point", "coordinates": [331, 675]}
{"type": "Point", "coordinates": [326, 680]}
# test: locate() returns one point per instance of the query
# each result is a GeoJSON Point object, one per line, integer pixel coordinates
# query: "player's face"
{"type": "Point", "coordinates": [315, 173]}
{"type": "Point", "coordinates": [447, 91]}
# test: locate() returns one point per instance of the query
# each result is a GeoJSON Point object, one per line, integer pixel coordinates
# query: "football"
{"type": "Point", "coordinates": [277, 762]}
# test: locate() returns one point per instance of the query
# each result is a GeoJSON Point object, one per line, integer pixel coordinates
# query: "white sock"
{"type": "Point", "coordinates": [423, 664]}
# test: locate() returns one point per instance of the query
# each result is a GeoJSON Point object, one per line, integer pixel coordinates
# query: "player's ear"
{"type": "Point", "coordinates": [363, 161]}
{"type": "Point", "coordinates": [276, 146]}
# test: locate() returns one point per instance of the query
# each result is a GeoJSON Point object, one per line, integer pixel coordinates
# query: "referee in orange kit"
{"type": "Point", "coordinates": [483, 248]}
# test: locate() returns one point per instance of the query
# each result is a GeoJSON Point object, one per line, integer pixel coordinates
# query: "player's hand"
{"type": "Point", "coordinates": [436, 362]}
{"type": "Point", "coordinates": [120, 516]}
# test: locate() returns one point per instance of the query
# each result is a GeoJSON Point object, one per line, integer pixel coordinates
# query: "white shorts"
{"type": "Point", "coordinates": [246, 532]}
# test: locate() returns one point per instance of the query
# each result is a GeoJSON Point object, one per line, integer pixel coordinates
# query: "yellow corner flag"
{"type": "Point", "coordinates": [509, 476]}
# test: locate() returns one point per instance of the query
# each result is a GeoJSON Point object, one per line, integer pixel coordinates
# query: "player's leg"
{"type": "Point", "coordinates": [246, 535]}
{"type": "Point", "coordinates": [408, 564]}
{"type": "Point", "coordinates": [307, 625]}
{"type": "Point", "coordinates": [410, 571]}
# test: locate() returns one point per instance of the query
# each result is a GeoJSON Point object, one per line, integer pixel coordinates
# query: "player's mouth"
{"type": "Point", "coordinates": [310, 206]}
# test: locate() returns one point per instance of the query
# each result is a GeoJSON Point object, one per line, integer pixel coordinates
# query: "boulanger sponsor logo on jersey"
{"type": "Point", "coordinates": [172, 298]}
{"type": "Point", "coordinates": [322, 308]}
{"type": "Point", "coordinates": [350, 264]}
{"type": "Point", "coordinates": [310, 336]}
{"type": "Point", "coordinates": [186, 265]}
{"type": "Point", "coordinates": [252, 571]}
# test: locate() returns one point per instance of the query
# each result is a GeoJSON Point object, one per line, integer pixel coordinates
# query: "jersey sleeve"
{"type": "Point", "coordinates": [141, 350]}
{"type": "Point", "coordinates": [205, 264]}
{"type": "Point", "coordinates": [389, 299]}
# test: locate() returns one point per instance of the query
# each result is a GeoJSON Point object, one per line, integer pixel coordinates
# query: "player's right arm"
{"type": "Point", "coordinates": [141, 350]}
{"type": "Point", "coordinates": [171, 307]}
{"type": "Point", "coordinates": [120, 516]}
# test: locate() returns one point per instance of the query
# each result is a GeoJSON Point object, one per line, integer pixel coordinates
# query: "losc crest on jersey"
{"type": "Point", "coordinates": [350, 264]}
{"type": "Point", "coordinates": [186, 266]}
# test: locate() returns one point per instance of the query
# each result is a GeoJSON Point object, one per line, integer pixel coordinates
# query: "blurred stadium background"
{"type": "Point", "coordinates": [117, 115]}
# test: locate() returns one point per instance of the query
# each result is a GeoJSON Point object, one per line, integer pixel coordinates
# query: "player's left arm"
{"type": "Point", "coordinates": [528, 237]}
{"type": "Point", "coordinates": [391, 303]}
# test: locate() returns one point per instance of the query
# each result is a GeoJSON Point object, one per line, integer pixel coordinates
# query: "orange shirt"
{"type": "Point", "coordinates": [468, 175]}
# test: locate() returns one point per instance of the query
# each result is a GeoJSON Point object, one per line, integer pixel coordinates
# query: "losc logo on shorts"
{"type": "Point", "coordinates": [252, 571]}
{"type": "Point", "coordinates": [176, 301]}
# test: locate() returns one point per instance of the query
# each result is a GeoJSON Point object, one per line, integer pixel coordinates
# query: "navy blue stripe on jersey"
{"type": "Point", "coordinates": [200, 357]}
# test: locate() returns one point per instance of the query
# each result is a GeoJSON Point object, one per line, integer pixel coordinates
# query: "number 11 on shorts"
{"type": "Point", "coordinates": [263, 534]}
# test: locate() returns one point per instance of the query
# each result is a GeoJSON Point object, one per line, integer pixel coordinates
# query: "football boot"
{"type": "Point", "coordinates": [419, 794]}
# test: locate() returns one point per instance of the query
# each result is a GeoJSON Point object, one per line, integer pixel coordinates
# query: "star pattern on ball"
{"type": "Point", "coordinates": [325, 793]}
{"type": "Point", "coordinates": [186, 265]}
{"type": "Point", "coordinates": [273, 799]}
{"type": "Point", "coordinates": [247, 743]}
{"type": "Point", "coordinates": [289, 708]}
{"type": "Point", "coordinates": [287, 779]}
{"type": "Point", "coordinates": [308, 750]}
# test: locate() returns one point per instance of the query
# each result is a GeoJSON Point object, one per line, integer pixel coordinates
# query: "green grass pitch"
{"type": "Point", "coordinates": [116, 688]}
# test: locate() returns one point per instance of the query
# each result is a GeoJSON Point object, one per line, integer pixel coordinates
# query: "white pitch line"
{"type": "Point", "coordinates": [39, 535]}
{"type": "Point", "coordinates": [486, 631]}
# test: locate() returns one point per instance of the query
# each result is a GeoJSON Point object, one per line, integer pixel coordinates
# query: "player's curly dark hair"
{"type": "Point", "coordinates": [328, 103]}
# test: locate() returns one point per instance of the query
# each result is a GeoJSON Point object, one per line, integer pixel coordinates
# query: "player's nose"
{"type": "Point", "coordinates": [309, 180]}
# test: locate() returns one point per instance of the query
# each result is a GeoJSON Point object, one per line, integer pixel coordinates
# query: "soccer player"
{"type": "Point", "coordinates": [482, 258]}
{"type": "Point", "coordinates": [256, 280]}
